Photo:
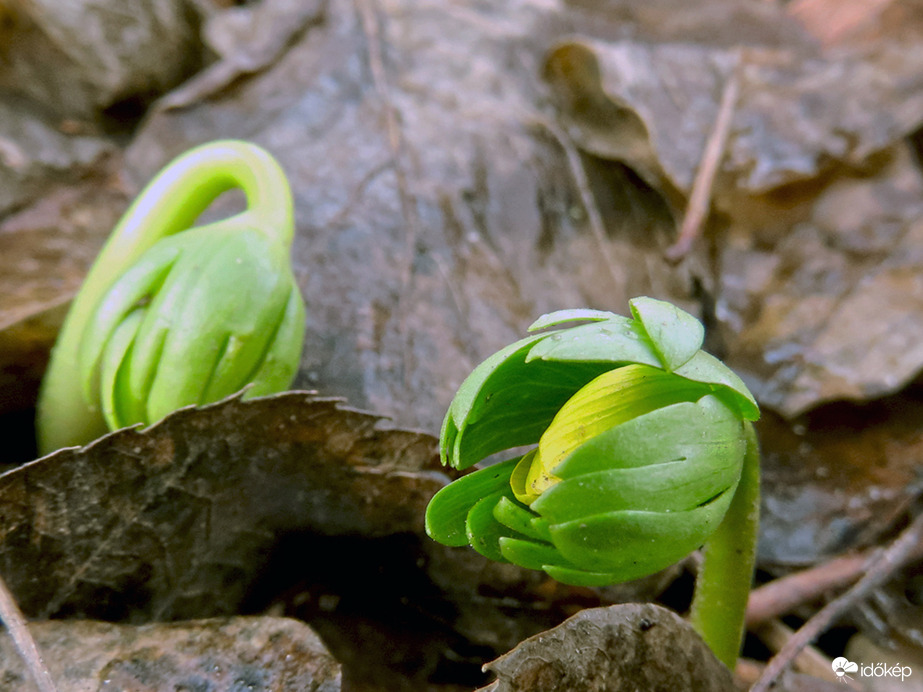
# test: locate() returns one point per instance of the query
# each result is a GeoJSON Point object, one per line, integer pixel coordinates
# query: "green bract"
{"type": "Point", "coordinates": [641, 438]}
{"type": "Point", "coordinates": [173, 314]}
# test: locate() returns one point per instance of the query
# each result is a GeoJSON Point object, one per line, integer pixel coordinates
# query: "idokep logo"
{"type": "Point", "coordinates": [841, 666]}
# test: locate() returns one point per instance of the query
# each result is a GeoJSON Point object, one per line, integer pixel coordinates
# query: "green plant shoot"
{"type": "Point", "coordinates": [644, 452]}
{"type": "Point", "coordinates": [172, 313]}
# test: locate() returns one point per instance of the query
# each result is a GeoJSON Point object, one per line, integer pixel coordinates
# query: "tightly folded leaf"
{"type": "Point", "coordinates": [202, 314]}
{"type": "Point", "coordinates": [173, 313]}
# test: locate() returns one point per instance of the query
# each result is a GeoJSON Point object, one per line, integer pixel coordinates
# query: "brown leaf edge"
{"type": "Point", "coordinates": [175, 520]}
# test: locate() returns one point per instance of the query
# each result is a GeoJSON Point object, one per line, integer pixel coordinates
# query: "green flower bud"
{"type": "Point", "coordinates": [198, 317]}
{"type": "Point", "coordinates": [173, 314]}
{"type": "Point", "coordinates": [641, 438]}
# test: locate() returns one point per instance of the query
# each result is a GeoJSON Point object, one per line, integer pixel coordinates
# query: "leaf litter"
{"type": "Point", "coordinates": [804, 274]}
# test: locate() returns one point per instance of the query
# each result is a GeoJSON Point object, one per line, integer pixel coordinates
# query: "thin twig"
{"type": "Point", "coordinates": [587, 199]}
{"type": "Point", "coordinates": [700, 197]}
{"type": "Point", "coordinates": [883, 564]}
{"type": "Point", "coordinates": [23, 641]}
{"type": "Point", "coordinates": [775, 634]}
{"type": "Point", "coordinates": [783, 595]}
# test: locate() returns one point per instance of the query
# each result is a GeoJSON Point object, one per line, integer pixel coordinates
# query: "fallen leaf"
{"type": "Point", "coordinates": [624, 647]}
{"type": "Point", "coordinates": [485, 594]}
{"type": "Point", "coordinates": [47, 248]}
{"type": "Point", "coordinates": [815, 210]}
{"type": "Point", "coordinates": [80, 59]}
{"type": "Point", "coordinates": [652, 106]}
{"type": "Point", "coordinates": [260, 653]}
{"type": "Point", "coordinates": [247, 39]}
{"type": "Point", "coordinates": [830, 310]}
{"type": "Point", "coordinates": [837, 480]}
{"type": "Point", "coordinates": [409, 284]}
{"type": "Point", "coordinates": [219, 510]}
{"type": "Point", "coordinates": [175, 521]}
{"type": "Point", "coordinates": [35, 153]}
{"type": "Point", "coordinates": [835, 23]}
{"type": "Point", "coordinates": [716, 23]}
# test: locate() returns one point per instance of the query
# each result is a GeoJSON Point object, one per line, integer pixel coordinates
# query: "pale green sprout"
{"type": "Point", "coordinates": [173, 314]}
{"type": "Point", "coordinates": [645, 452]}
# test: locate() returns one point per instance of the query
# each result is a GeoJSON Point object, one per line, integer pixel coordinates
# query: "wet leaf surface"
{"type": "Point", "coordinates": [259, 654]}
{"type": "Point", "coordinates": [840, 479]}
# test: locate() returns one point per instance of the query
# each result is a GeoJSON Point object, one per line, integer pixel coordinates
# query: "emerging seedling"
{"type": "Point", "coordinates": [645, 452]}
{"type": "Point", "coordinates": [173, 314]}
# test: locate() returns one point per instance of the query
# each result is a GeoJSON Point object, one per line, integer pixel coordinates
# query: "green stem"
{"type": "Point", "coordinates": [170, 203]}
{"type": "Point", "coordinates": [723, 584]}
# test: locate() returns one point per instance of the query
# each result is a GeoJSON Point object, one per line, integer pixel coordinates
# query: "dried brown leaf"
{"type": "Point", "coordinates": [831, 310]}
{"type": "Point", "coordinates": [817, 196]}
{"type": "Point", "coordinates": [716, 23]}
{"type": "Point", "coordinates": [175, 521]}
{"type": "Point", "coordinates": [619, 648]}
{"type": "Point", "coordinates": [262, 654]}
{"type": "Point", "coordinates": [79, 58]}
{"type": "Point", "coordinates": [46, 249]}
{"type": "Point", "coordinates": [839, 480]}
{"type": "Point", "coordinates": [397, 317]}
{"type": "Point", "coordinates": [246, 39]}
{"type": "Point", "coordinates": [653, 106]}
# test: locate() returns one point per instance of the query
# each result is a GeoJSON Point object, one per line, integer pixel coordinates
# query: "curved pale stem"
{"type": "Point", "coordinates": [170, 203]}
{"type": "Point", "coordinates": [723, 584]}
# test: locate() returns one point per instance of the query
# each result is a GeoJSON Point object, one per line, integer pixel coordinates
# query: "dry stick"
{"type": "Point", "coordinates": [783, 595]}
{"type": "Point", "coordinates": [775, 634]}
{"type": "Point", "coordinates": [748, 672]}
{"type": "Point", "coordinates": [883, 564]}
{"type": "Point", "coordinates": [22, 639]}
{"type": "Point", "coordinates": [700, 198]}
